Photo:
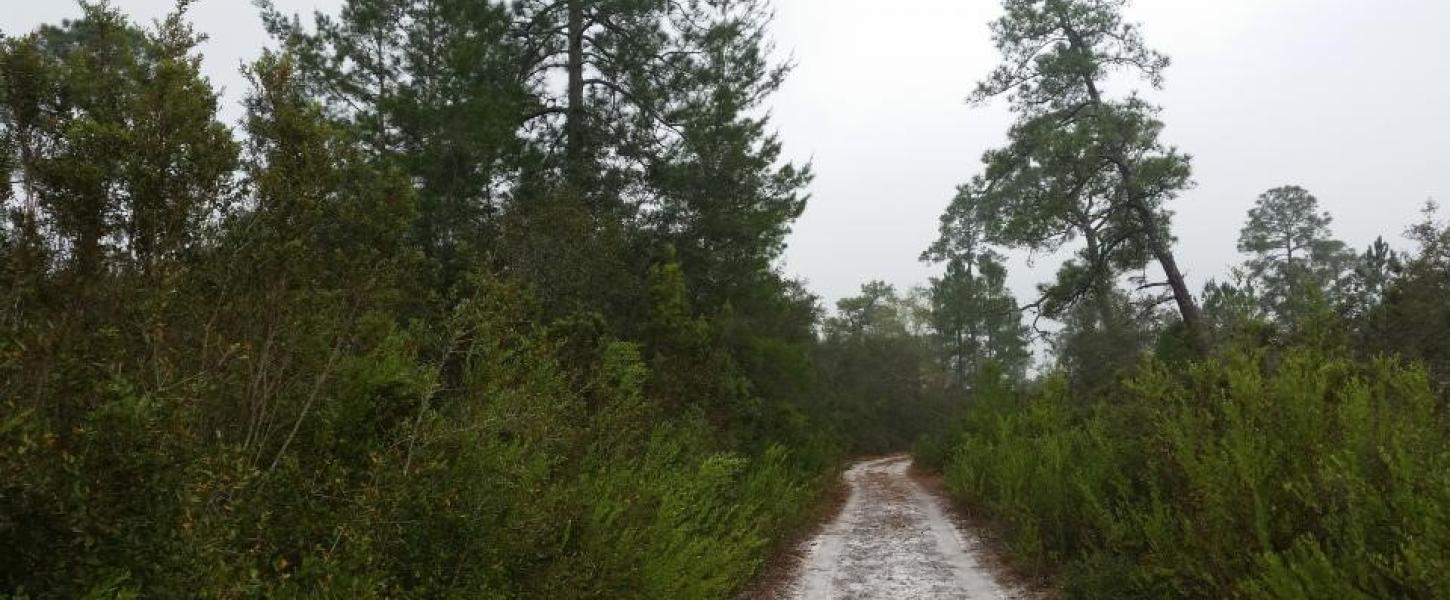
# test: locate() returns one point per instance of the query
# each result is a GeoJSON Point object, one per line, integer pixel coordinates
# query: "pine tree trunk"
{"type": "Point", "coordinates": [574, 123]}
{"type": "Point", "coordinates": [1101, 285]}
{"type": "Point", "coordinates": [1187, 307]}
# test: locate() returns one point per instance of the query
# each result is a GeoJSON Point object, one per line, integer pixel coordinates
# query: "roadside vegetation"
{"type": "Point", "coordinates": [425, 325]}
{"type": "Point", "coordinates": [1289, 438]}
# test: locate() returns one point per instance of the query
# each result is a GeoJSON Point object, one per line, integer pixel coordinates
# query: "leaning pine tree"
{"type": "Point", "coordinates": [1079, 163]}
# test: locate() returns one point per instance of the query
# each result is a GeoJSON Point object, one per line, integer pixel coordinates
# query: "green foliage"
{"type": "Point", "coordinates": [935, 447]}
{"type": "Point", "coordinates": [694, 370]}
{"type": "Point", "coordinates": [434, 327]}
{"type": "Point", "coordinates": [1233, 310]}
{"type": "Point", "coordinates": [974, 318]}
{"type": "Point", "coordinates": [1079, 166]}
{"type": "Point", "coordinates": [1104, 340]}
{"type": "Point", "coordinates": [1412, 317]}
{"type": "Point", "coordinates": [572, 259]}
{"type": "Point", "coordinates": [432, 88]}
{"type": "Point", "coordinates": [882, 384]}
{"type": "Point", "coordinates": [1369, 277]}
{"type": "Point", "coordinates": [118, 138]}
{"type": "Point", "coordinates": [1307, 476]}
{"type": "Point", "coordinates": [725, 200]}
{"type": "Point", "coordinates": [375, 347]}
{"type": "Point", "coordinates": [1298, 267]}
{"type": "Point", "coordinates": [518, 486]}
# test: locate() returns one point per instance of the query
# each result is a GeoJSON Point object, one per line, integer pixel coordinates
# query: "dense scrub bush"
{"type": "Point", "coordinates": [1305, 476]}
{"type": "Point", "coordinates": [520, 485]}
{"type": "Point", "coordinates": [934, 448]}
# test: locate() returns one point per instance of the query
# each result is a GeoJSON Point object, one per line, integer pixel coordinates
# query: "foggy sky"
{"type": "Point", "coordinates": [1347, 98]}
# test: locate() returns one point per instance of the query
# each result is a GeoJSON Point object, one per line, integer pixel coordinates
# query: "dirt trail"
{"type": "Point", "coordinates": [893, 539]}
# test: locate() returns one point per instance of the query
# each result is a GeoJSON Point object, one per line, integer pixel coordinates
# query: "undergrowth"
{"type": "Point", "coordinates": [1302, 475]}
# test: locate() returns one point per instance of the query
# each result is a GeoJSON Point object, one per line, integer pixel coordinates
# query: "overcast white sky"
{"type": "Point", "coordinates": [1347, 98]}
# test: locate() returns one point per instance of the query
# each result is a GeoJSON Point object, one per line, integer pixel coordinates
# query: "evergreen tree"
{"type": "Point", "coordinates": [1079, 164]}
{"type": "Point", "coordinates": [724, 201]}
{"type": "Point", "coordinates": [181, 158]}
{"type": "Point", "coordinates": [1232, 307]}
{"type": "Point", "coordinates": [616, 59]}
{"type": "Point", "coordinates": [974, 317]}
{"type": "Point", "coordinates": [1371, 274]}
{"type": "Point", "coordinates": [873, 312]}
{"type": "Point", "coordinates": [1413, 319]}
{"type": "Point", "coordinates": [1294, 258]}
{"type": "Point", "coordinates": [436, 88]}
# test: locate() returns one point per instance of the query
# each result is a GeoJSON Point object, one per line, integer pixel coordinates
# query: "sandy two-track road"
{"type": "Point", "coordinates": [893, 539]}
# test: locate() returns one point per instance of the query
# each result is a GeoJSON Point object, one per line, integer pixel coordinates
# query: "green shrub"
{"type": "Point", "coordinates": [1310, 477]}
{"type": "Point", "coordinates": [537, 478]}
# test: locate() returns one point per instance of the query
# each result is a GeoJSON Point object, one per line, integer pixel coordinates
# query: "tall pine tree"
{"type": "Point", "coordinates": [1079, 163]}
